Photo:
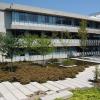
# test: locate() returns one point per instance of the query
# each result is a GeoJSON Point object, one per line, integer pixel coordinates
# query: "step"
{"type": "Point", "coordinates": [18, 94]}
{"type": "Point", "coordinates": [2, 98]}
{"type": "Point", "coordinates": [23, 89]}
{"type": "Point", "coordinates": [78, 85]}
{"type": "Point", "coordinates": [67, 84]}
{"type": "Point", "coordinates": [50, 87]}
{"type": "Point", "coordinates": [6, 93]}
{"type": "Point", "coordinates": [56, 85]}
{"type": "Point", "coordinates": [63, 94]}
{"type": "Point", "coordinates": [79, 82]}
{"type": "Point", "coordinates": [39, 86]}
{"type": "Point", "coordinates": [32, 88]}
{"type": "Point", "coordinates": [87, 84]}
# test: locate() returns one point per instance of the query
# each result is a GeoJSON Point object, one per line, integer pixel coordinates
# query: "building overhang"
{"type": "Point", "coordinates": [24, 8]}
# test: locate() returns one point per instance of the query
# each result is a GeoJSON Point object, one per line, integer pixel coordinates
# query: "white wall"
{"type": "Point", "coordinates": [2, 22]}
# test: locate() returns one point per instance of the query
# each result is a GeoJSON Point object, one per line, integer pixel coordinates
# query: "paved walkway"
{"type": "Point", "coordinates": [89, 59]}
{"type": "Point", "coordinates": [46, 91]}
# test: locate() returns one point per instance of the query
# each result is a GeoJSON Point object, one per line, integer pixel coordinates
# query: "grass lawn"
{"type": "Point", "coordinates": [86, 94]}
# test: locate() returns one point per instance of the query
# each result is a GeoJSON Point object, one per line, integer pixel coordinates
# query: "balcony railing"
{"type": "Point", "coordinates": [70, 42]}
{"type": "Point", "coordinates": [74, 42]}
{"type": "Point", "coordinates": [35, 26]}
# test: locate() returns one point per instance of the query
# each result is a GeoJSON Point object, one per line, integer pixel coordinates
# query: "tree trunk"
{"type": "Point", "coordinates": [11, 55]}
{"type": "Point", "coordinates": [11, 68]}
{"type": "Point", "coordinates": [96, 73]}
{"type": "Point", "coordinates": [43, 61]}
{"type": "Point", "coordinates": [2, 58]}
{"type": "Point", "coordinates": [83, 56]}
{"type": "Point", "coordinates": [52, 55]}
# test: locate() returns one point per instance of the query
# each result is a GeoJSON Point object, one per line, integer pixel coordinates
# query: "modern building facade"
{"type": "Point", "coordinates": [19, 19]}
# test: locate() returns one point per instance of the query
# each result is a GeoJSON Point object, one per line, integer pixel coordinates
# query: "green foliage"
{"type": "Point", "coordinates": [7, 46]}
{"type": "Point", "coordinates": [2, 44]}
{"type": "Point", "coordinates": [54, 36]}
{"type": "Point", "coordinates": [96, 73]}
{"type": "Point", "coordinates": [44, 45]}
{"type": "Point", "coordinates": [82, 33]}
{"type": "Point", "coordinates": [65, 44]}
{"type": "Point", "coordinates": [2, 49]}
{"type": "Point", "coordinates": [64, 36]}
{"type": "Point", "coordinates": [86, 94]}
{"type": "Point", "coordinates": [69, 62]}
{"type": "Point", "coordinates": [29, 42]}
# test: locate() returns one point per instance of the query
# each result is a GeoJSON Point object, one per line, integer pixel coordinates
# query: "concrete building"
{"type": "Point", "coordinates": [20, 19]}
{"type": "Point", "coordinates": [95, 15]}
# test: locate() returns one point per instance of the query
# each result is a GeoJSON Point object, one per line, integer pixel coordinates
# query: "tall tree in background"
{"type": "Point", "coordinates": [83, 35]}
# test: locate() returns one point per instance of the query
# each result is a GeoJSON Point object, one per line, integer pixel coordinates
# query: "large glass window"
{"type": "Point", "coordinates": [58, 20]}
{"type": "Point", "coordinates": [35, 18]}
{"type": "Point", "coordinates": [22, 17]}
{"type": "Point", "coordinates": [41, 19]}
{"type": "Point", "coordinates": [15, 17]}
{"type": "Point", "coordinates": [46, 19]}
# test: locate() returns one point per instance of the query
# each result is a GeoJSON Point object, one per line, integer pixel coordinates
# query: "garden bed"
{"type": "Point", "coordinates": [26, 72]}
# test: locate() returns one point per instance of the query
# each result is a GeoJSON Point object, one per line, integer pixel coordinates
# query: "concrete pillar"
{"type": "Point", "coordinates": [2, 22]}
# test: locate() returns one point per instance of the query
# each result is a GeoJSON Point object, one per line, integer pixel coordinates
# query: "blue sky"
{"type": "Point", "coordinates": [85, 7]}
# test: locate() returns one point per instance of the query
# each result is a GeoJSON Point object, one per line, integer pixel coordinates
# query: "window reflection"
{"type": "Point", "coordinates": [21, 17]}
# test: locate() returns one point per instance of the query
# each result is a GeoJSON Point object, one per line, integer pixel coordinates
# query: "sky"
{"type": "Point", "coordinates": [84, 7]}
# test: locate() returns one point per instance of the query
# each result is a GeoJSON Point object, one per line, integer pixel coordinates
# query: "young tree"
{"type": "Point", "coordinates": [2, 49]}
{"type": "Point", "coordinates": [44, 46]}
{"type": "Point", "coordinates": [54, 36]}
{"type": "Point", "coordinates": [29, 43]}
{"type": "Point", "coordinates": [83, 35]}
{"type": "Point", "coordinates": [34, 46]}
{"type": "Point", "coordinates": [20, 46]}
{"type": "Point", "coordinates": [9, 44]}
{"type": "Point", "coordinates": [65, 35]}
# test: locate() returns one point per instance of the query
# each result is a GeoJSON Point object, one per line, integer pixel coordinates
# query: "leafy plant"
{"type": "Point", "coordinates": [86, 94]}
{"type": "Point", "coordinates": [44, 46]}
{"type": "Point", "coordinates": [83, 35]}
{"type": "Point", "coordinates": [8, 45]}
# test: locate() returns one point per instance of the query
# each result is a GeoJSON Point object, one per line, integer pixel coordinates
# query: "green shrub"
{"type": "Point", "coordinates": [86, 94]}
{"type": "Point", "coordinates": [68, 62]}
